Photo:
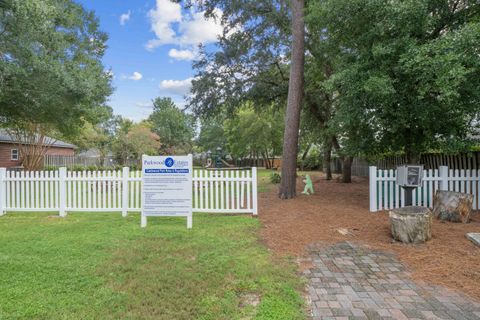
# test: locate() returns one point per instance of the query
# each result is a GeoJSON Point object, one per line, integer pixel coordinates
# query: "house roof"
{"type": "Point", "coordinates": [93, 153]}
{"type": "Point", "coordinates": [7, 138]}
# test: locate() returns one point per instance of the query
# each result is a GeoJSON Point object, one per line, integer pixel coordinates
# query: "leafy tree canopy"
{"type": "Point", "coordinates": [132, 140]}
{"type": "Point", "coordinates": [212, 134]}
{"type": "Point", "coordinates": [249, 63]}
{"type": "Point", "coordinates": [250, 132]}
{"type": "Point", "coordinates": [408, 72]}
{"type": "Point", "coordinates": [175, 128]}
{"type": "Point", "coordinates": [50, 65]}
{"type": "Point", "coordinates": [141, 140]}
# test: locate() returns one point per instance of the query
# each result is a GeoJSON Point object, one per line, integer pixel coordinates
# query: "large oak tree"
{"type": "Point", "coordinates": [406, 76]}
{"type": "Point", "coordinates": [51, 75]}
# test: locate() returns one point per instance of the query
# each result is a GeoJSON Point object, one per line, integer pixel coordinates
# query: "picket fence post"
{"type": "Point", "coordinates": [3, 194]}
{"type": "Point", "coordinates": [372, 176]}
{"type": "Point", "coordinates": [254, 191]}
{"type": "Point", "coordinates": [62, 187]}
{"type": "Point", "coordinates": [125, 177]}
{"type": "Point", "coordinates": [443, 174]}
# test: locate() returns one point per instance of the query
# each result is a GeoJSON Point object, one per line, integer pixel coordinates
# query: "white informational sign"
{"type": "Point", "coordinates": [167, 187]}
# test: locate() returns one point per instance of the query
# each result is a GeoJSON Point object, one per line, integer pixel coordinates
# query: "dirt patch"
{"type": "Point", "coordinates": [449, 258]}
{"type": "Point", "coordinates": [249, 299]}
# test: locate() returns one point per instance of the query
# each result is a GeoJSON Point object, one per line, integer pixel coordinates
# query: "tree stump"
{"type": "Point", "coordinates": [411, 224]}
{"type": "Point", "coordinates": [452, 206]}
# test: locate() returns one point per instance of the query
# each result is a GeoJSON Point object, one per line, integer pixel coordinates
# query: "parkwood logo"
{"type": "Point", "coordinates": [168, 162]}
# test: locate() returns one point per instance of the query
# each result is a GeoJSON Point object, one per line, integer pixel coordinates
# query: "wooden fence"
{"type": "Point", "coordinates": [232, 191]}
{"type": "Point", "coordinates": [57, 161]}
{"type": "Point", "coordinates": [386, 194]}
{"type": "Point", "coordinates": [459, 161]}
{"type": "Point", "coordinates": [360, 167]}
{"type": "Point", "coordinates": [71, 161]}
{"type": "Point", "coordinates": [466, 161]}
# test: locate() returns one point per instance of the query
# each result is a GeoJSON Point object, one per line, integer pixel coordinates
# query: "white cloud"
{"type": "Point", "coordinates": [135, 76]}
{"type": "Point", "coordinates": [124, 17]}
{"type": "Point", "coordinates": [197, 29]}
{"type": "Point", "coordinates": [192, 28]}
{"type": "Point", "coordinates": [181, 54]}
{"type": "Point", "coordinates": [176, 87]}
{"type": "Point", "coordinates": [161, 18]}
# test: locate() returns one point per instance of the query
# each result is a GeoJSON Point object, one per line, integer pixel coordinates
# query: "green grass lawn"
{"type": "Point", "coordinates": [263, 177]}
{"type": "Point", "coordinates": [103, 266]}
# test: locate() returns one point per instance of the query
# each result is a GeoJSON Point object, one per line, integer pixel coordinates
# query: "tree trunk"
{"type": "Point", "coordinates": [294, 103]}
{"type": "Point", "coordinates": [266, 160]}
{"type": "Point", "coordinates": [269, 161]}
{"type": "Point", "coordinates": [412, 157]}
{"type": "Point", "coordinates": [347, 169]}
{"type": "Point", "coordinates": [304, 155]}
{"type": "Point", "coordinates": [327, 157]}
{"type": "Point", "coordinates": [34, 147]}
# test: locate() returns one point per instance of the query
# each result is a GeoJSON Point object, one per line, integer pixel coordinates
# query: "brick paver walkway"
{"type": "Point", "coordinates": [351, 282]}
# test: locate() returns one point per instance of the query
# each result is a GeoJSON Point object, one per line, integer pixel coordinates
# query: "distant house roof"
{"type": "Point", "coordinates": [90, 153]}
{"type": "Point", "coordinates": [93, 153]}
{"type": "Point", "coordinates": [6, 138]}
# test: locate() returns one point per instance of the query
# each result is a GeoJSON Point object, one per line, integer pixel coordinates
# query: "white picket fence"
{"type": "Point", "coordinates": [227, 191]}
{"type": "Point", "coordinates": [386, 194]}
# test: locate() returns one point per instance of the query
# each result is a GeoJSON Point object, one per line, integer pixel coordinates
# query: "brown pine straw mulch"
{"type": "Point", "coordinates": [448, 259]}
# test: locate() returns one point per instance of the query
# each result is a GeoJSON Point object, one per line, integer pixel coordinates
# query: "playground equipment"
{"type": "Point", "coordinates": [216, 160]}
{"type": "Point", "coordinates": [211, 164]}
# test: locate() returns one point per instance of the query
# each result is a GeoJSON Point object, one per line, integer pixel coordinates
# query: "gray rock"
{"type": "Point", "coordinates": [474, 237]}
{"type": "Point", "coordinates": [452, 206]}
{"type": "Point", "coordinates": [411, 224]}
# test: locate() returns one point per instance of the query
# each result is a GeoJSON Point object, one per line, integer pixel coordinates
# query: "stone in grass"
{"type": "Point", "coordinates": [452, 206]}
{"type": "Point", "coordinates": [411, 224]}
{"type": "Point", "coordinates": [474, 237]}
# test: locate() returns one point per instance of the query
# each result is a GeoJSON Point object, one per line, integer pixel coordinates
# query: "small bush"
{"type": "Point", "coordinates": [77, 167]}
{"type": "Point", "coordinates": [275, 178]}
{"type": "Point", "coordinates": [312, 162]}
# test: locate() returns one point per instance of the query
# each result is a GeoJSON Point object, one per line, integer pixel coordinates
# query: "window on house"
{"type": "Point", "coordinates": [14, 154]}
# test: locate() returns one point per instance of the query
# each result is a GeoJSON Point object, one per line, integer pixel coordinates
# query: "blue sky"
{"type": "Point", "coordinates": [150, 48]}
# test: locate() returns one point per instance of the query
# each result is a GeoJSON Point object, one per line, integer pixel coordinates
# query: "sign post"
{"type": "Point", "coordinates": [167, 187]}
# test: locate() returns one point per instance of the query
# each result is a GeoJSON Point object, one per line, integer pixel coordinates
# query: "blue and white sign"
{"type": "Point", "coordinates": [167, 187]}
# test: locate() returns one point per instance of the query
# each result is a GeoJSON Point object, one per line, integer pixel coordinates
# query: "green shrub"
{"type": "Point", "coordinates": [91, 168]}
{"type": "Point", "coordinates": [313, 161]}
{"type": "Point", "coordinates": [77, 167]}
{"type": "Point", "coordinates": [275, 178]}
